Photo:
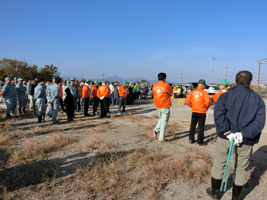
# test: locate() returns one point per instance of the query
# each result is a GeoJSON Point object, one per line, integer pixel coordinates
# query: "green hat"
{"type": "Point", "coordinates": [96, 82]}
{"type": "Point", "coordinates": [15, 78]}
{"type": "Point", "coordinates": [124, 83]}
{"type": "Point", "coordinates": [202, 81]}
{"type": "Point", "coordinates": [103, 81]}
{"type": "Point", "coordinates": [87, 80]}
{"type": "Point", "coordinates": [223, 82]}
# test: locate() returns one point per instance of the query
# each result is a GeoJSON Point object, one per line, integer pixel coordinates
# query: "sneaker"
{"type": "Point", "coordinates": [191, 141]}
{"type": "Point", "coordinates": [154, 134]}
{"type": "Point", "coordinates": [163, 141]}
{"type": "Point", "coordinates": [119, 113]}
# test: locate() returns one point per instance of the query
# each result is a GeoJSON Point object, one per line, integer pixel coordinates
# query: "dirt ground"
{"type": "Point", "coordinates": [115, 158]}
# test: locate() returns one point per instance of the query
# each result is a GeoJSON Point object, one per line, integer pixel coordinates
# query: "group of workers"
{"type": "Point", "coordinates": [239, 115]}
{"type": "Point", "coordinates": [68, 96]}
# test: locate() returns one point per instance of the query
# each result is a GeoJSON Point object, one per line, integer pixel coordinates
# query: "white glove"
{"type": "Point", "coordinates": [238, 138]}
{"type": "Point", "coordinates": [101, 98]}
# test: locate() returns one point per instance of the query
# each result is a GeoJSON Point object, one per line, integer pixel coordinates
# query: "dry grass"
{"type": "Point", "coordinates": [35, 149]}
{"type": "Point", "coordinates": [100, 144]}
{"type": "Point", "coordinates": [149, 171]}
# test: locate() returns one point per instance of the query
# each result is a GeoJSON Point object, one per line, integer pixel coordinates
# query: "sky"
{"type": "Point", "coordinates": [138, 38]}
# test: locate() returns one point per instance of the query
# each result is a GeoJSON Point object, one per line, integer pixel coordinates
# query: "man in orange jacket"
{"type": "Point", "coordinates": [123, 92]}
{"type": "Point", "coordinates": [199, 101]}
{"type": "Point", "coordinates": [223, 88]}
{"type": "Point", "coordinates": [162, 93]}
{"type": "Point", "coordinates": [94, 95]}
{"type": "Point", "coordinates": [86, 95]}
{"type": "Point", "coordinates": [103, 94]}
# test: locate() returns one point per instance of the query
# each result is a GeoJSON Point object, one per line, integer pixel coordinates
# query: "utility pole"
{"type": "Point", "coordinates": [212, 59]}
{"type": "Point", "coordinates": [103, 76]}
{"type": "Point", "coordinates": [182, 78]}
{"type": "Point", "coordinates": [226, 73]}
{"type": "Point", "coordinates": [82, 73]}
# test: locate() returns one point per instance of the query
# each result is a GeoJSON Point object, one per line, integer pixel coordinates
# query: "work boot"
{"type": "Point", "coordinates": [8, 116]}
{"type": "Point", "coordinates": [43, 117]}
{"type": "Point", "coordinates": [237, 191]}
{"type": "Point", "coordinates": [214, 191]}
{"type": "Point", "coordinates": [40, 118]}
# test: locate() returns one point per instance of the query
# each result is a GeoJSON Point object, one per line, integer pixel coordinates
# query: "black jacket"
{"type": "Point", "coordinates": [240, 110]}
{"type": "Point", "coordinates": [31, 89]}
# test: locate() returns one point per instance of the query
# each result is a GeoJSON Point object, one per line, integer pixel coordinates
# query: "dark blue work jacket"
{"type": "Point", "coordinates": [240, 110]}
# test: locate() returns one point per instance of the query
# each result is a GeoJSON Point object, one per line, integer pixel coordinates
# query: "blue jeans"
{"type": "Point", "coordinates": [117, 98]}
{"type": "Point", "coordinates": [111, 99]}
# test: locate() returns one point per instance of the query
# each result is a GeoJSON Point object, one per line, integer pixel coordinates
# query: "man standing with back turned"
{"type": "Point", "coordinates": [199, 101]}
{"type": "Point", "coordinates": [238, 114]}
{"type": "Point", "coordinates": [162, 93]}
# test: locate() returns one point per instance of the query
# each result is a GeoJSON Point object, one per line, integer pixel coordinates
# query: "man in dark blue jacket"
{"type": "Point", "coordinates": [238, 114]}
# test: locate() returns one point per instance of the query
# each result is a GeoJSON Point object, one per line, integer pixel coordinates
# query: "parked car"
{"type": "Point", "coordinates": [187, 86]}
{"type": "Point", "coordinates": [212, 89]}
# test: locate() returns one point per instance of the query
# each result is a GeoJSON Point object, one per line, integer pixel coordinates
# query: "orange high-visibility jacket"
{"type": "Point", "coordinates": [162, 93]}
{"type": "Point", "coordinates": [103, 90]}
{"type": "Point", "coordinates": [80, 89]}
{"type": "Point", "coordinates": [217, 95]}
{"type": "Point", "coordinates": [60, 91]}
{"type": "Point", "coordinates": [94, 91]}
{"type": "Point", "coordinates": [122, 90]}
{"type": "Point", "coordinates": [86, 91]}
{"type": "Point", "coordinates": [198, 100]}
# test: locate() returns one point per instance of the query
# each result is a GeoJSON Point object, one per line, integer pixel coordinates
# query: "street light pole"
{"type": "Point", "coordinates": [182, 77]}
{"type": "Point", "coordinates": [226, 73]}
{"type": "Point", "coordinates": [213, 58]}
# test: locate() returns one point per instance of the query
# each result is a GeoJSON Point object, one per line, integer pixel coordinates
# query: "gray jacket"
{"type": "Point", "coordinates": [20, 89]}
{"type": "Point", "coordinates": [73, 90]}
{"type": "Point", "coordinates": [52, 92]}
{"type": "Point", "coordinates": [39, 92]}
{"type": "Point", "coordinates": [8, 90]}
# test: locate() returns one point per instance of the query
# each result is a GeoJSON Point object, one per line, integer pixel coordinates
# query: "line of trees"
{"type": "Point", "coordinates": [21, 69]}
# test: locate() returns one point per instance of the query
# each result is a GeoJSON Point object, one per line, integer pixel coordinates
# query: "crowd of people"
{"type": "Point", "coordinates": [52, 97]}
{"type": "Point", "coordinates": [239, 113]}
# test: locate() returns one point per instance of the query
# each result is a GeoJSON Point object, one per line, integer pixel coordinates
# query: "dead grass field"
{"type": "Point", "coordinates": [113, 158]}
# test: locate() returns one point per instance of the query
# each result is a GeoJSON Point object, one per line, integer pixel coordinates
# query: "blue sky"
{"type": "Point", "coordinates": [137, 38]}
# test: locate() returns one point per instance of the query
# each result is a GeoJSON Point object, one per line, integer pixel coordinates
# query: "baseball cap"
{"type": "Point", "coordinates": [202, 81]}
{"type": "Point", "coordinates": [223, 82]}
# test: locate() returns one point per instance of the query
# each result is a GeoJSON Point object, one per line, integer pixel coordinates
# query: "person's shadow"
{"type": "Point", "coordinates": [259, 163]}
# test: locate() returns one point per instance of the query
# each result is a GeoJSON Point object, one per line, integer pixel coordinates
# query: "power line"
{"type": "Point", "coordinates": [240, 58]}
